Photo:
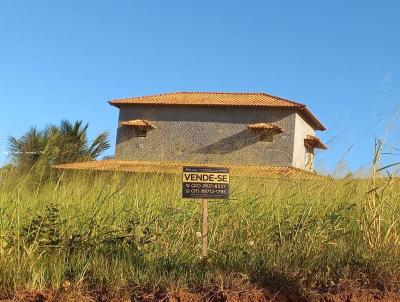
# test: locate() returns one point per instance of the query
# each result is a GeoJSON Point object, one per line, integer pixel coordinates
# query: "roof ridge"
{"type": "Point", "coordinates": [237, 93]}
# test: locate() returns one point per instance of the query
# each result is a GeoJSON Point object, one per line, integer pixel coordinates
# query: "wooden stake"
{"type": "Point", "coordinates": [204, 231]}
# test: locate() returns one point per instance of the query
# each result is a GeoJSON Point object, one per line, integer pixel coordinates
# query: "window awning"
{"type": "Point", "coordinates": [314, 142]}
{"type": "Point", "coordinates": [138, 124]}
{"type": "Point", "coordinates": [265, 126]}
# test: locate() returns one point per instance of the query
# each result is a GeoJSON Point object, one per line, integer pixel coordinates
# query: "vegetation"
{"type": "Point", "coordinates": [56, 144]}
{"type": "Point", "coordinates": [117, 230]}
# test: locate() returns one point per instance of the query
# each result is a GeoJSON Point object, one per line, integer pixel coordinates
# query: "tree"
{"type": "Point", "coordinates": [27, 150]}
{"type": "Point", "coordinates": [72, 145]}
{"type": "Point", "coordinates": [56, 144]}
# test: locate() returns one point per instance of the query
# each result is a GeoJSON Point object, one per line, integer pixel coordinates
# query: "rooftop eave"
{"type": "Point", "coordinates": [170, 101]}
{"type": "Point", "coordinates": [313, 119]}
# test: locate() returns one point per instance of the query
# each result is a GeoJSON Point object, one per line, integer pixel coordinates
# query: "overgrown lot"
{"type": "Point", "coordinates": [133, 230]}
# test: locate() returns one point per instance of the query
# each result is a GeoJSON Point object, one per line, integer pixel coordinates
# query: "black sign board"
{"type": "Point", "coordinates": [205, 182]}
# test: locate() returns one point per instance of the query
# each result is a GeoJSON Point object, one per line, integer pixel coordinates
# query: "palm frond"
{"type": "Point", "coordinates": [56, 144]}
{"type": "Point", "coordinates": [99, 145]}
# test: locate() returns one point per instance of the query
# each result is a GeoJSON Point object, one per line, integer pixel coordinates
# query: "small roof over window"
{"type": "Point", "coordinates": [314, 142]}
{"type": "Point", "coordinates": [265, 126]}
{"type": "Point", "coordinates": [138, 123]}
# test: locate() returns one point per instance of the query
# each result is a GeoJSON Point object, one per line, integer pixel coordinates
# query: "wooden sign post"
{"type": "Point", "coordinates": [204, 229]}
{"type": "Point", "coordinates": [205, 183]}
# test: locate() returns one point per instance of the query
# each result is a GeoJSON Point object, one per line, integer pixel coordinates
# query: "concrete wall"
{"type": "Point", "coordinates": [302, 129]}
{"type": "Point", "coordinates": [207, 135]}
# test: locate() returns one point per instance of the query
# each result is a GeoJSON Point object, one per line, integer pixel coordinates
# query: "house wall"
{"type": "Point", "coordinates": [302, 129]}
{"type": "Point", "coordinates": [207, 135]}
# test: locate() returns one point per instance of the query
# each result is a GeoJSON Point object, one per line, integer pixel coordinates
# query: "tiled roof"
{"type": "Point", "coordinates": [137, 123]}
{"type": "Point", "coordinates": [176, 168]}
{"type": "Point", "coordinates": [220, 99]}
{"type": "Point", "coordinates": [265, 126]}
{"type": "Point", "coordinates": [314, 142]}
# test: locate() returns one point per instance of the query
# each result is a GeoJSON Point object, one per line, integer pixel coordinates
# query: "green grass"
{"type": "Point", "coordinates": [134, 229]}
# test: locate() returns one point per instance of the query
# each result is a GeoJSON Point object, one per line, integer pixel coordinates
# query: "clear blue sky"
{"type": "Point", "coordinates": [65, 59]}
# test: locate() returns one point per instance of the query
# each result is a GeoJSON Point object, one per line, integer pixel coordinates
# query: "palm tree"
{"type": "Point", "coordinates": [72, 144]}
{"type": "Point", "coordinates": [64, 143]}
{"type": "Point", "coordinates": [28, 149]}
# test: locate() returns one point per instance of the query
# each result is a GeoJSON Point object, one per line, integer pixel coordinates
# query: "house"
{"type": "Point", "coordinates": [217, 128]}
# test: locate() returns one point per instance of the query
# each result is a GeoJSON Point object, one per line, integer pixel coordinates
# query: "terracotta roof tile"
{"type": "Point", "coordinates": [314, 142]}
{"type": "Point", "coordinates": [176, 168]}
{"type": "Point", "coordinates": [210, 98]}
{"type": "Point", "coordinates": [265, 126]}
{"type": "Point", "coordinates": [137, 123]}
{"type": "Point", "coordinates": [219, 99]}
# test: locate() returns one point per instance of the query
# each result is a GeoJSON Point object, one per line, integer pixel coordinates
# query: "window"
{"type": "Point", "coordinates": [265, 131]}
{"type": "Point", "coordinates": [141, 132]}
{"type": "Point", "coordinates": [139, 127]}
{"type": "Point", "coordinates": [267, 137]}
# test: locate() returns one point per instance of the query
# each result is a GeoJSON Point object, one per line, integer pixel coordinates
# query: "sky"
{"type": "Point", "coordinates": [66, 59]}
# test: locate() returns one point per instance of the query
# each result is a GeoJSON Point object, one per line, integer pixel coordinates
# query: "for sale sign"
{"type": "Point", "coordinates": [205, 182]}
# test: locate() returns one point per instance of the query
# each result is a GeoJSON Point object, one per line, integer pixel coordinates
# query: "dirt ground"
{"type": "Point", "coordinates": [211, 295]}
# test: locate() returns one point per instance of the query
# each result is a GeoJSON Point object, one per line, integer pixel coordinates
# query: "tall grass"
{"type": "Point", "coordinates": [134, 229]}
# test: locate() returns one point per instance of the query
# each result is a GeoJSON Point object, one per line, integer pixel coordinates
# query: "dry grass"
{"type": "Point", "coordinates": [119, 230]}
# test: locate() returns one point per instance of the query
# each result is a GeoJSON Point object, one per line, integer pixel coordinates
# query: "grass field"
{"type": "Point", "coordinates": [115, 230]}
